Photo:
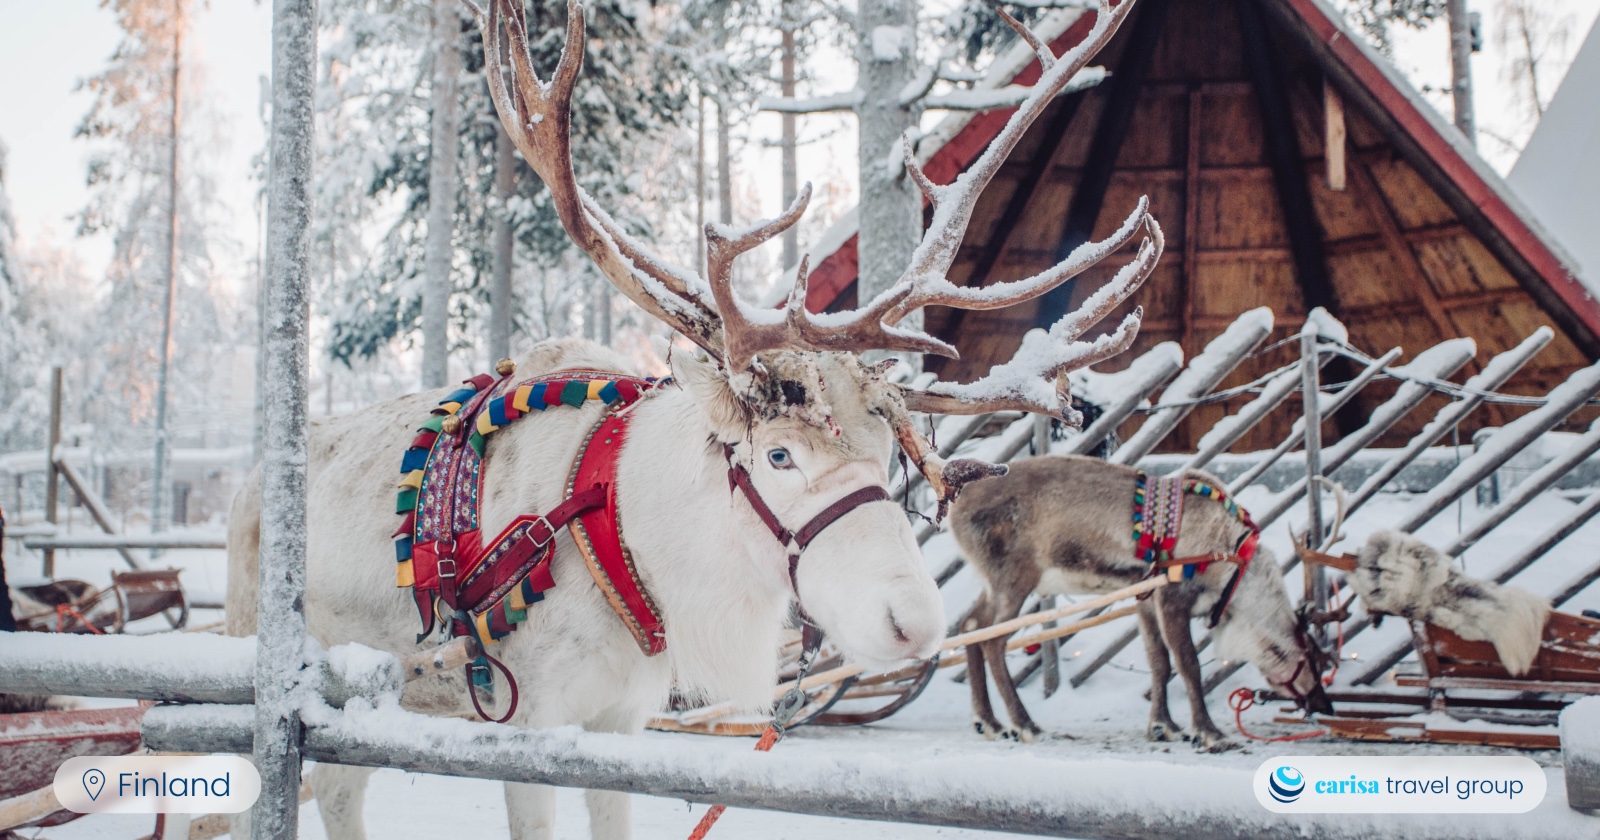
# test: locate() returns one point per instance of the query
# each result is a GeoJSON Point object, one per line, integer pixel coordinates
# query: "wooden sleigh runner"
{"type": "Point", "coordinates": [1464, 680]}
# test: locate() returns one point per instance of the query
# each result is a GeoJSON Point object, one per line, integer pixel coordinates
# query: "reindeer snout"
{"type": "Point", "coordinates": [916, 633]}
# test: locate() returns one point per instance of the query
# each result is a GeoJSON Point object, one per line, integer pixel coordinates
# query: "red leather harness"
{"type": "Point", "coordinates": [488, 586]}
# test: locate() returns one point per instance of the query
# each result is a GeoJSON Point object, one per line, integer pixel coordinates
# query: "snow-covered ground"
{"type": "Point", "coordinates": [1102, 719]}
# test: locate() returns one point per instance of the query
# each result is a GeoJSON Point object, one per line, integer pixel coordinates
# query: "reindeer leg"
{"type": "Point", "coordinates": [341, 793]}
{"type": "Point", "coordinates": [1022, 726]}
{"type": "Point", "coordinates": [531, 811]}
{"type": "Point", "coordinates": [1162, 727]}
{"type": "Point", "coordinates": [611, 812]}
{"type": "Point", "coordinates": [1175, 629]}
{"type": "Point", "coordinates": [983, 719]}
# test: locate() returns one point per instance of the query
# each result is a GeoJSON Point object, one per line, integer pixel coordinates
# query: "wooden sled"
{"type": "Point", "coordinates": [1465, 680]}
{"type": "Point", "coordinates": [34, 744]}
{"type": "Point", "coordinates": [78, 607]}
{"type": "Point", "coordinates": [832, 682]}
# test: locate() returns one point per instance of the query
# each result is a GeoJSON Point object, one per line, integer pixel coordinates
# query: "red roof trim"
{"type": "Point", "coordinates": [836, 271]}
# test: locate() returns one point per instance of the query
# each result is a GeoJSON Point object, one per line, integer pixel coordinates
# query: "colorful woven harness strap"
{"type": "Point", "coordinates": [476, 586]}
{"type": "Point", "coordinates": [1157, 519]}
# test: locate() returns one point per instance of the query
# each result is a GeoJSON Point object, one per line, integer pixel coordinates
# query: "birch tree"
{"type": "Point", "coordinates": [439, 250]}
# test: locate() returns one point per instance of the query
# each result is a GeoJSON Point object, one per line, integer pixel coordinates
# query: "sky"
{"type": "Point", "coordinates": [46, 46]}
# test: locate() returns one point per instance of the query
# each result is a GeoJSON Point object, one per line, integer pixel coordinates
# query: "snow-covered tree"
{"type": "Point", "coordinates": [375, 99]}
{"type": "Point", "coordinates": [130, 131]}
{"type": "Point", "coordinates": [1376, 18]}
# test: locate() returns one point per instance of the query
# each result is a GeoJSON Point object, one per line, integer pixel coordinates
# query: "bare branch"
{"type": "Point", "coordinates": [845, 101]}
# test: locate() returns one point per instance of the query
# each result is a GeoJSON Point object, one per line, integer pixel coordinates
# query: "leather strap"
{"type": "Point", "coordinates": [598, 532]}
{"type": "Point", "coordinates": [739, 477]}
{"type": "Point", "coordinates": [829, 514]}
{"type": "Point", "coordinates": [502, 559]}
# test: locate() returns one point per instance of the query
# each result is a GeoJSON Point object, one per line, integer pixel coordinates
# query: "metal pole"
{"type": "Point", "coordinates": [163, 373]}
{"type": "Point", "coordinates": [52, 477]}
{"type": "Point", "coordinates": [281, 628]}
{"type": "Point", "coordinates": [1316, 580]}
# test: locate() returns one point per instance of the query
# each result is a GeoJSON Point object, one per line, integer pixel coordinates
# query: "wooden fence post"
{"type": "Point", "coordinates": [281, 627]}
{"type": "Point", "coordinates": [52, 478]}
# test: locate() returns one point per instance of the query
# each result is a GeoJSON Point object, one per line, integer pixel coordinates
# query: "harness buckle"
{"type": "Point", "coordinates": [452, 568]}
{"type": "Point", "coordinates": [550, 531]}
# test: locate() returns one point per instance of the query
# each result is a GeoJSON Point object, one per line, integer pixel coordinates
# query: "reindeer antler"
{"type": "Point", "coordinates": [538, 115]}
{"type": "Point", "coordinates": [1034, 380]}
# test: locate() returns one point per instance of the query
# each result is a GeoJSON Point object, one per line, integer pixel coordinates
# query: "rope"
{"type": "Point", "coordinates": [1244, 698]}
{"type": "Point", "coordinates": [64, 610]}
{"type": "Point", "coordinates": [787, 708]}
{"type": "Point", "coordinates": [768, 739]}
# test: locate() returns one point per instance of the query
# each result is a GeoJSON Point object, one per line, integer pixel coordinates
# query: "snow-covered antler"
{"type": "Point", "coordinates": [537, 115]}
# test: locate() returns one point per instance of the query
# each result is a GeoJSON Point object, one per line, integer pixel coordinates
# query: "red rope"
{"type": "Point", "coordinates": [768, 739]}
{"type": "Point", "coordinates": [63, 610]}
{"type": "Point", "coordinates": [1244, 698]}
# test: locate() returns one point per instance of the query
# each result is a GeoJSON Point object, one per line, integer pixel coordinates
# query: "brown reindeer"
{"type": "Point", "coordinates": [1063, 525]}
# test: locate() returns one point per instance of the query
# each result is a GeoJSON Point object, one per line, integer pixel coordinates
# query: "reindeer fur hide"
{"type": "Point", "coordinates": [1398, 574]}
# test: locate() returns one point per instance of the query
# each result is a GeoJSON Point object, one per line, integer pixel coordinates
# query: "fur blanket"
{"type": "Point", "coordinates": [1398, 574]}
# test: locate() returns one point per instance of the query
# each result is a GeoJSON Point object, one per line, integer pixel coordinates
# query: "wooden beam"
{"type": "Point", "coordinates": [1191, 224]}
{"type": "Point", "coordinates": [1122, 97]}
{"type": "Point", "coordinates": [1021, 196]}
{"type": "Point", "coordinates": [1283, 156]}
{"type": "Point", "coordinates": [1367, 192]}
{"type": "Point", "coordinates": [1333, 138]}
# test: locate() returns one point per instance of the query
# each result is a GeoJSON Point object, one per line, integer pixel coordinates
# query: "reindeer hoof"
{"type": "Point", "coordinates": [989, 729]}
{"type": "Point", "coordinates": [1214, 742]}
{"type": "Point", "coordinates": [1024, 734]}
{"type": "Point", "coordinates": [1164, 731]}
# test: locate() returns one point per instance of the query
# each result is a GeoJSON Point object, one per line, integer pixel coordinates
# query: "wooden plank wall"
{"type": "Point", "coordinates": [1404, 270]}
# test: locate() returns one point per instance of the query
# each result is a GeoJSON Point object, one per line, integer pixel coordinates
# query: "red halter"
{"type": "Point", "coordinates": [796, 541]}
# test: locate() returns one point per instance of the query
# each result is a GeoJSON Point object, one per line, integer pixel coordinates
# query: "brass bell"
{"type": "Point", "coordinates": [451, 424]}
{"type": "Point", "coordinates": [505, 367]}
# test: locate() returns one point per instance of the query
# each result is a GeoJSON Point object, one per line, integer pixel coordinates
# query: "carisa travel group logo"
{"type": "Point", "coordinates": [1305, 784]}
{"type": "Point", "coordinates": [1286, 784]}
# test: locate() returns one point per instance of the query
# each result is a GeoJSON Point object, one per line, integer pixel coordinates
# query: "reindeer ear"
{"type": "Point", "coordinates": [708, 384]}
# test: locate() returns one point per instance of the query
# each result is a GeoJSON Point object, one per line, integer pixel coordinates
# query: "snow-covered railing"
{"type": "Point", "coordinates": [200, 668]}
{"type": "Point", "coordinates": [1016, 792]}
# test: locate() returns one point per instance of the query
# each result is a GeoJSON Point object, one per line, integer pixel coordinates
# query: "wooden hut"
{"type": "Point", "coordinates": [1291, 167]}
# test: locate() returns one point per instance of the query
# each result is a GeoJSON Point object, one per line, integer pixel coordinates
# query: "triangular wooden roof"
{"type": "Point", "coordinates": [1216, 109]}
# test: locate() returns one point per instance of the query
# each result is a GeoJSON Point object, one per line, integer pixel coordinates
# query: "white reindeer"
{"type": "Point", "coordinates": [803, 414]}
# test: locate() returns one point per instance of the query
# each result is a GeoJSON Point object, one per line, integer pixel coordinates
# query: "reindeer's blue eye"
{"type": "Point", "coordinates": [779, 459]}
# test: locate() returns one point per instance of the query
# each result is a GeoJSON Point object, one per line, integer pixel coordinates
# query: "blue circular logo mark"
{"type": "Point", "coordinates": [1286, 784]}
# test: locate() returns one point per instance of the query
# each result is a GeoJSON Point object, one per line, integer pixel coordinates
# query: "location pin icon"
{"type": "Point", "coordinates": [94, 781]}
